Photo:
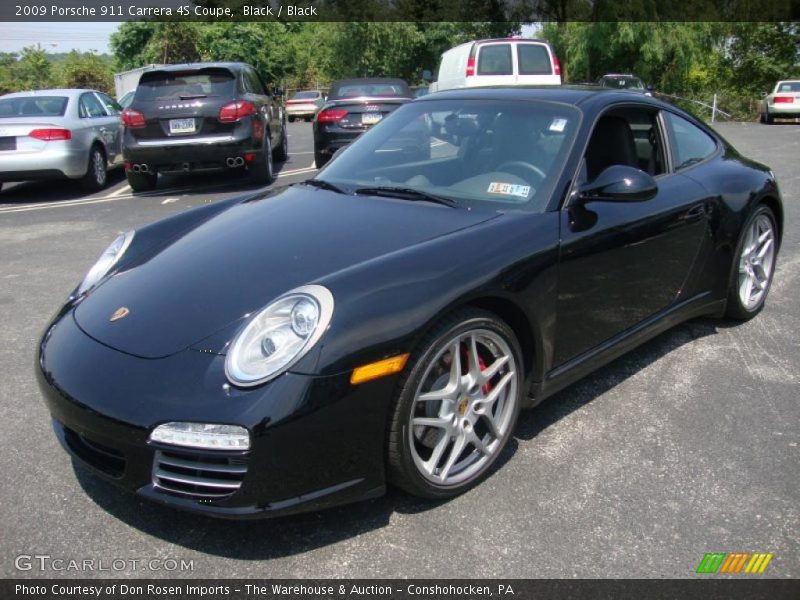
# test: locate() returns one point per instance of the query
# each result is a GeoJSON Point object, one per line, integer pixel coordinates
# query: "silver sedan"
{"type": "Point", "coordinates": [47, 134]}
{"type": "Point", "coordinates": [782, 103]}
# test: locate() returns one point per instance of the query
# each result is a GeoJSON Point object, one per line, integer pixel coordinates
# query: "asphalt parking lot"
{"type": "Point", "coordinates": [685, 446]}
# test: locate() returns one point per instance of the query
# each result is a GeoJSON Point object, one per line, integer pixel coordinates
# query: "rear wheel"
{"type": "Point", "coordinates": [755, 265]}
{"type": "Point", "coordinates": [96, 176]}
{"type": "Point", "coordinates": [768, 118]}
{"type": "Point", "coordinates": [308, 119]}
{"type": "Point", "coordinates": [320, 159]}
{"type": "Point", "coordinates": [262, 171]}
{"type": "Point", "coordinates": [142, 182]}
{"type": "Point", "coordinates": [291, 119]}
{"type": "Point", "coordinates": [457, 407]}
{"type": "Point", "coordinates": [281, 153]}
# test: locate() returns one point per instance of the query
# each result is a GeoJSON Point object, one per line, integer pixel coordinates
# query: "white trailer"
{"type": "Point", "coordinates": [128, 80]}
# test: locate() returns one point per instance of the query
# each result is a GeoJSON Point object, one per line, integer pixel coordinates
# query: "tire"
{"type": "Point", "coordinates": [281, 153]}
{"type": "Point", "coordinates": [263, 172]}
{"type": "Point", "coordinates": [291, 119]}
{"type": "Point", "coordinates": [769, 119]}
{"type": "Point", "coordinates": [309, 119]}
{"type": "Point", "coordinates": [754, 265]}
{"type": "Point", "coordinates": [321, 159]}
{"type": "Point", "coordinates": [142, 182]}
{"type": "Point", "coordinates": [423, 459]}
{"type": "Point", "coordinates": [762, 118]}
{"type": "Point", "coordinates": [96, 177]}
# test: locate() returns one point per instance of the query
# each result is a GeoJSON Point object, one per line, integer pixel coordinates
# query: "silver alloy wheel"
{"type": "Point", "coordinates": [756, 262]}
{"type": "Point", "coordinates": [98, 165]}
{"type": "Point", "coordinates": [464, 407]}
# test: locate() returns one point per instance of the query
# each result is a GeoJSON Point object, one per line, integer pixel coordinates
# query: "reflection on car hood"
{"type": "Point", "coordinates": [243, 258]}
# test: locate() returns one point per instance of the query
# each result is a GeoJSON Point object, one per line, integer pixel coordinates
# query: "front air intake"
{"type": "Point", "coordinates": [203, 476]}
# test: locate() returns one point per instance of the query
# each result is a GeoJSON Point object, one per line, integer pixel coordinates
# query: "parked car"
{"type": "Point", "coordinates": [304, 105]}
{"type": "Point", "coordinates": [59, 133]}
{"type": "Point", "coordinates": [618, 81]}
{"type": "Point", "coordinates": [420, 91]}
{"type": "Point", "coordinates": [782, 103]}
{"type": "Point", "coordinates": [386, 320]}
{"type": "Point", "coordinates": [507, 61]}
{"type": "Point", "coordinates": [202, 117]}
{"type": "Point", "coordinates": [353, 106]}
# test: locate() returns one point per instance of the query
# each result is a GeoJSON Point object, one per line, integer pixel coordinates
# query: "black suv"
{"type": "Point", "coordinates": [199, 117]}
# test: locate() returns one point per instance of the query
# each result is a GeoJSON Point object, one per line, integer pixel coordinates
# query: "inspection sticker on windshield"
{"type": "Point", "coordinates": [509, 189]}
{"type": "Point", "coordinates": [558, 125]}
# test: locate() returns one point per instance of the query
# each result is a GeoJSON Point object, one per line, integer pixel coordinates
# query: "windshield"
{"type": "Point", "coordinates": [306, 96]}
{"type": "Point", "coordinates": [476, 152]}
{"type": "Point", "coordinates": [176, 85]}
{"type": "Point", "coordinates": [33, 106]}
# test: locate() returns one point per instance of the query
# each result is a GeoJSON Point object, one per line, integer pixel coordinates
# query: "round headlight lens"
{"type": "Point", "coordinates": [279, 335]}
{"type": "Point", "coordinates": [107, 259]}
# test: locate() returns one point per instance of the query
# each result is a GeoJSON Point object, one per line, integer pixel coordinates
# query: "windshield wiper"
{"type": "Point", "coordinates": [407, 194]}
{"type": "Point", "coordinates": [324, 185]}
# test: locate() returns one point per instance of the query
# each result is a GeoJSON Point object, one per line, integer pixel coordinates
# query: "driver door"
{"type": "Point", "coordinates": [623, 262]}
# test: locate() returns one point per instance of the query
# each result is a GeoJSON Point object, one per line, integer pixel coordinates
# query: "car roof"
{"type": "Point", "coordinates": [568, 94]}
{"type": "Point", "coordinates": [236, 66]}
{"type": "Point", "coordinates": [68, 92]}
{"type": "Point", "coordinates": [357, 80]}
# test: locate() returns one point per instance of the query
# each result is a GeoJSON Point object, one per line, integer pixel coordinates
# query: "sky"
{"type": "Point", "coordinates": [56, 37]}
{"type": "Point", "coordinates": [84, 37]}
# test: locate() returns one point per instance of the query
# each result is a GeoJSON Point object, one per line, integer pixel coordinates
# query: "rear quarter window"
{"type": "Point", "coordinates": [690, 144]}
{"type": "Point", "coordinates": [495, 59]}
{"type": "Point", "coordinates": [533, 59]}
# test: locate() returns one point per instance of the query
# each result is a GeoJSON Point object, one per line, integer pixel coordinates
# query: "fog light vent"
{"type": "Point", "coordinates": [198, 476]}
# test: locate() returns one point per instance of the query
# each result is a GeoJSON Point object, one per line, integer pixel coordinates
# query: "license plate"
{"type": "Point", "coordinates": [370, 118]}
{"type": "Point", "coordinates": [8, 143]}
{"type": "Point", "coordinates": [181, 126]}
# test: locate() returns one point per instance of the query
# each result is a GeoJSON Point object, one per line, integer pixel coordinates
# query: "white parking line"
{"type": "Point", "coordinates": [120, 191]}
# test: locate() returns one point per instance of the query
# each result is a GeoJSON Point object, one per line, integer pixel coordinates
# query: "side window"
{"type": "Point", "coordinates": [91, 107]}
{"type": "Point", "coordinates": [690, 144]}
{"type": "Point", "coordinates": [495, 59]}
{"type": "Point", "coordinates": [625, 136]}
{"type": "Point", "coordinates": [112, 108]}
{"type": "Point", "coordinates": [533, 59]}
{"type": "Point", "coordinates": [254, 83]}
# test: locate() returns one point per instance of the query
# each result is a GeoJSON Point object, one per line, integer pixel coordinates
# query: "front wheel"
{"type": "Point", "coordinates": [457, 406]}
{"type": "Point", "coordinates": [321, 159]}
{"type": "Point", "coordinates": [755, 260]}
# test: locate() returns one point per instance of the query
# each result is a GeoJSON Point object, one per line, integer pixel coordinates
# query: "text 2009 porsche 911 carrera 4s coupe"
{"type": "Point", "coordinates": [385, 322]}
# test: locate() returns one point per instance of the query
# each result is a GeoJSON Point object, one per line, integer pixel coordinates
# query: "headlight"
{"type": "Point", "coordinates": [107, 260]}
{"type": "Point", "coordinates": [202, 435]}
{"type": "Point", "coordinates": [279, 335]}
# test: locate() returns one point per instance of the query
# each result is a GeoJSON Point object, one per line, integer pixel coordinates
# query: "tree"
{"type": "Point", "coordinates": [32, 71]}
{"type": "Point", "coordinates": [86, 70]}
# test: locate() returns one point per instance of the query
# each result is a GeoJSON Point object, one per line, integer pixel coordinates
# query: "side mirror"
{"type": "Point", "coordinates": [619, 183]}
{"type": "Point", "coordinates": [764, 94]}
{"type": "Point", "coordinates": [649, 87]}
{"type": "Point", "coordinates": [426, 75]}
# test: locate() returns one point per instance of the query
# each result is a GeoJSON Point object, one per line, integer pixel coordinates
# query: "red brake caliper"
{"type": "Point", "coordinates": [487, 387]}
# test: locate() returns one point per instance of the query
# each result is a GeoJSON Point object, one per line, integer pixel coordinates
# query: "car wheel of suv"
{"type": "Point", "coordinates": [142, 182]}
{"type": "Point", "coordinates": [456, 406]}
{"type": "Point", "coordinates": [281, 153]}
{"type": "Point", "coordinates": [261, 172]}
{"type": "Point", "coordinates": [96, 176]}
{"type": "Point", "coordinates": [320, 159]}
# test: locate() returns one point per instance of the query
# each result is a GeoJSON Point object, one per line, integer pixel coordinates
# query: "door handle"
{"type": "Point", "coordinates": [695, 213]}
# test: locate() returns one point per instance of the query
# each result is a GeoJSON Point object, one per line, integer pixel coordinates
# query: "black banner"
{"type": "Point", "coordinates": [399, 10]}
{"type": "Point", "coordinates": [388, 589]}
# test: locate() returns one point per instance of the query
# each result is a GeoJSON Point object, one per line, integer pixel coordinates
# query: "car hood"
{"type": "Point", "coordinates": [238, 261]}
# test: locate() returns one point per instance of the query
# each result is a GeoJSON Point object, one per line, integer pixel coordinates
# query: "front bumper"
{"type": "Point", "coordinates": [315, 441]}
{"type": "Point", "coordinates": [56, 159]}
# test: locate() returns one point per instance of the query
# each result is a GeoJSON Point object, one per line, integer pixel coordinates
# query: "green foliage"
{"type": "Point", "coordinates": [86, 70]}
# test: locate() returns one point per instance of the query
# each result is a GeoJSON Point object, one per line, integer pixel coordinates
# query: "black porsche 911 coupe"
{"type": "Point", "coordinates": [386, 320]}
